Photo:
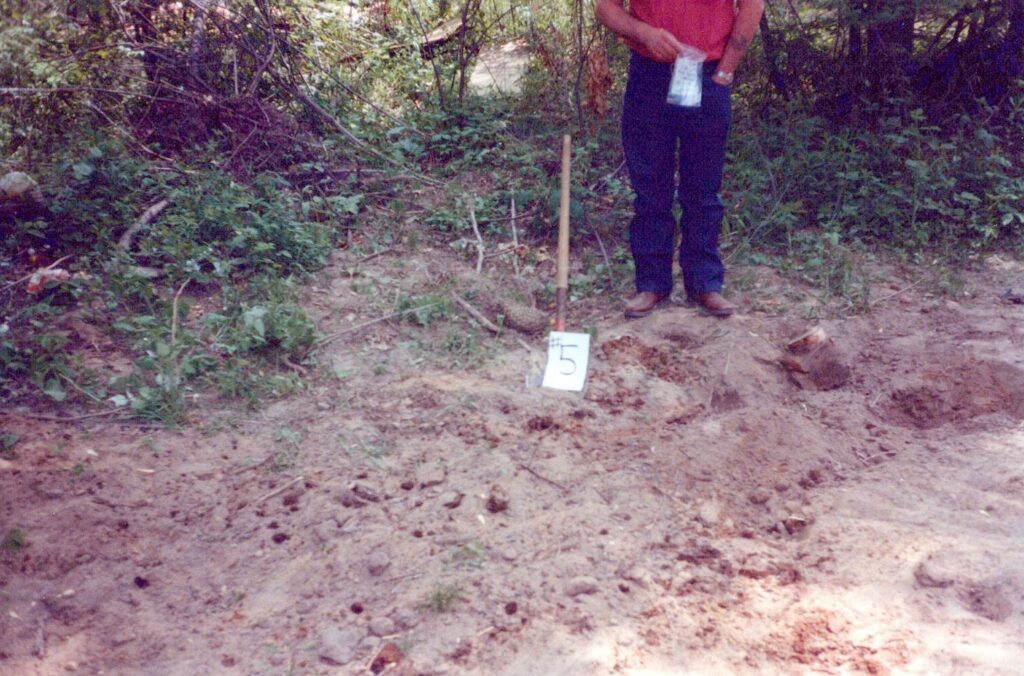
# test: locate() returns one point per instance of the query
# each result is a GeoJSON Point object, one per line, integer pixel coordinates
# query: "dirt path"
{"type": "Point", "coordinates": [696, 511]}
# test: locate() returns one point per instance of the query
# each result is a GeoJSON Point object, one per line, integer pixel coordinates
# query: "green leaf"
{"type": "Point", "coordinates": [54, 390]}
{"type": "Point", "coordinates": [83, 170]}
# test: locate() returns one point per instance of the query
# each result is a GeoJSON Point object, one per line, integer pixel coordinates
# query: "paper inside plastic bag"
{"type": "Point", "coordinates": [687, 74]}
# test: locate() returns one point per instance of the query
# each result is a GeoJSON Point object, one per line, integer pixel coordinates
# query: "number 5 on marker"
{"type": "Point", "coordinates": [568, 354]}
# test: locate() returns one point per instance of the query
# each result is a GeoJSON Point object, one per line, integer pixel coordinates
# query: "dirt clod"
{"type": "Point", "coordinates": [759, 496]}
{"type": "Point", "coordinates": [388, 655]}
{"type": "Point", "coordinates": [377, 563]}
{"type": "Point", "coordinates": [348, 498]}
{"type": "Point", "coordinates": [451, 499]}
{"type": "Point", "coordinates": [581, 585]}
{"type": "Point", "coordinates": [337, 645]}
{"type": "Point", "coordinates": [709, 513]}
{"type": "Point", "coordinates": [430, 474]}
{"type": "Point", "coordinates": [497, 500]}
{"type": "Point", "coordinates": [382, 626]}
{"type": "Point", "coordinates": [987, 599]}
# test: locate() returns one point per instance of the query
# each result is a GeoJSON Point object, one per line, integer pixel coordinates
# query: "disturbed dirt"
{"type": "Point", "coordinates": [701, 508]}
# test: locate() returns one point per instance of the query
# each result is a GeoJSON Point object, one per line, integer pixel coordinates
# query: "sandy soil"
{"type": "Point", "coordinates": [700, 509]}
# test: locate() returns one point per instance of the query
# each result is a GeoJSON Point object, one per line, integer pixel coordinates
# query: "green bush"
{"type": "Point", "coordinates": [907, 184]}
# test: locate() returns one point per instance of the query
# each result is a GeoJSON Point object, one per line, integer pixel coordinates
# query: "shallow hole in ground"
{"type": "Point", "coordinates": [968, 389]}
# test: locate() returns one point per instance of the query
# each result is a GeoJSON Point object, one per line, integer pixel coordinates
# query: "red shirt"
{"type": "Point", "coordinates": [704, 24]}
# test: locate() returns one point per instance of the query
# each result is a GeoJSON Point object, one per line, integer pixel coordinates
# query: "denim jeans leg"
{"type": "Point", "coordinates": [701, 161]}
{"type": "Point", "coordinates": [649, 142]}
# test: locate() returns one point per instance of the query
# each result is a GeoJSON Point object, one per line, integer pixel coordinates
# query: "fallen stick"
{"type": "Point", "coordinates": [895, 293]}
{"type": "Point", "coordinates": [145, 219]}
{"type": "Point", "coordinates": [301, 370]}
{"type": "Point", "coordinates": [373, 255]}
{"type": "Point", "coordinates": [479, 239]}
{"type": "Point", "coordinates": [278, 491]}
{"type": "Point", "coordinates": [58, 418]}
{"type": "Point", "coordinates": [523, 465]}
{"type": "Point", "coordinates": [515, 238]}
{"type": "Point", "coordinates": [174, 310]}
{"type": "Point", "coordinates": [262, 462]}
{"type": "Point", "coordinates": [326, 339]}
{"type": "Point", "coordinates": [40, 649]}
{"type": "Point", "coordinates": [476, 314]}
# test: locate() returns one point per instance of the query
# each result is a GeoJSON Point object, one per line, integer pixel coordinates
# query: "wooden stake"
{"type": "Point", "coordinates": [562, 284]}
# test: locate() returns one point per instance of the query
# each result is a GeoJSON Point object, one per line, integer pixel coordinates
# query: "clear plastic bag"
{"type": "Point", "coordinates": [687, 75]}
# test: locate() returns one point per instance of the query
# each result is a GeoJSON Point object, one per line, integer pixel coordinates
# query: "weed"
{"type": "Point", "coordinates": [14, 540]}
{"type": "Point", "coordinates": [463, 346]}
{"type": "Point", "coordinates": [287, 435]}
{"type": "Point", "coordinates": [425, 310]}
{"type": "Point", "coordinates": [467, 556]}
{"type": "Point", "coordinates": [7, 443]}
{"type": "Point", "coordinates": [442, 598]}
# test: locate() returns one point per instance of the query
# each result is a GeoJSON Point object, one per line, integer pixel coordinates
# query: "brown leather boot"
{"type": "Point", "coordinates": [643, 304]}
{"type": "Point", "coordinates": [714, 304]}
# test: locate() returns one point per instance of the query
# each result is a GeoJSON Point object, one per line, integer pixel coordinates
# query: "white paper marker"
{"type": "Point", "coordinates": [568, 357]}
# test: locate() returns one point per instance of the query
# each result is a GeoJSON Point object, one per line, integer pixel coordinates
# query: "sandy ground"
{"type": "Point", "coordinates": [699, 509]}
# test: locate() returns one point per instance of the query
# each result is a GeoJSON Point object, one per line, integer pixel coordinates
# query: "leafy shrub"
{"type": "Point", "coordinates": [908, 184]}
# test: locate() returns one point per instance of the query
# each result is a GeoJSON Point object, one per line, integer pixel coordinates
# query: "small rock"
{"type": "Point", "coordinates": [509, 554]}
{"type": "Point", "coordinates": [497, 500]}
{"type": "Point", "coordinates": [451, 499]}
{"type": "Point", "coordinates": [323, 405]}
{"type": "Point", "coordinates": [377, 563]}
{"type": "Point", "coordinates": [383, 626]}
{"type": "Point", "coordinates": [795, 524]}
{"type": "Point", "coordinates": [581, 585]}
{"type": "Point", "coordinates": [759, 496]}
{"type": "Point", "coordinates": [405, 619]}
{"type": "Point", "coordinates": [325, 531]}
{"type": "Point", "coordinates": [782, 487]}
{"type": "Point", "coordinates": [927, 574]}
{"type": "Point", "coordinates": [118, 640]}
{"type": "Point", "coordinates": [640, 576]}
{"type": "Point", "coordinates": [709, 513]}
{"type": "Point", "coordinates": [430, 474]}
{"type": "Point", "coordinates": [6, 464]}
{"type": "Point", "coordinates": [364, 492]}
{"type": "Point", "coordinates": [349, 498]}
{"type": "Point", "coordinates": [337, 645]}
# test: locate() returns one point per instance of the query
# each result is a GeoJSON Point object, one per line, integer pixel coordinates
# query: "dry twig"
{"type": "Point", "coordinates": [515, 238]}
{"type": "Point", "coordinates": [479, 239]}
{"type": "Point", "coordinates": [476, 314]}
{"type": "Point", "coordinates": [145, 219]}
{"type": "Point", "coordinates": [352, 329]}
{"type": "Point", "coordinates": [174, 310]}
{"type": "Point", "coordinates": [282, 489]}
{"type": "Point", "coordinates": [523, 465]}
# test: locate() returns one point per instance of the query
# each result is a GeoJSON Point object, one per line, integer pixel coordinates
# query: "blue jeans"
{"type": "Point", "coordinates": [654, 134]}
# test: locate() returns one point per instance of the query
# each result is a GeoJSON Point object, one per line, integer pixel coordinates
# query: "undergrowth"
{"type": "Point", "coordinates": [203, 297]}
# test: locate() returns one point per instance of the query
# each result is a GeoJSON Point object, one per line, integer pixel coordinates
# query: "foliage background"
{"type": "Point", "coordinates": [271, 125]}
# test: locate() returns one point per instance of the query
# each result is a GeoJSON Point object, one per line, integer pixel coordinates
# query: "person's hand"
{"type": "Point", "coordinates": [661, 44]}
{"type": "Point", "coordinates": [716, 78]}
